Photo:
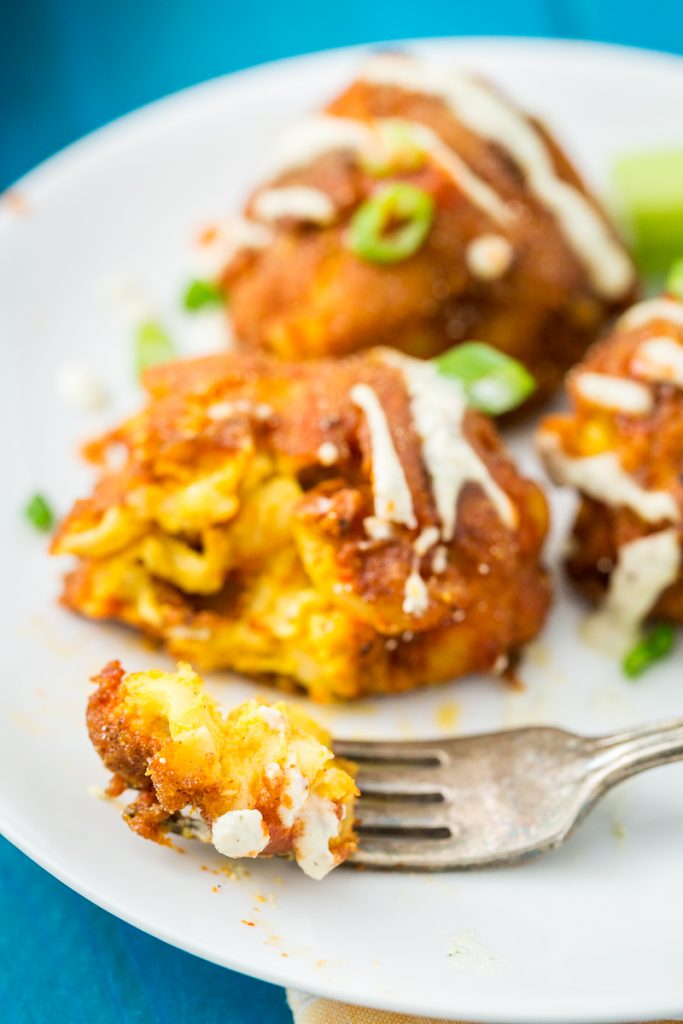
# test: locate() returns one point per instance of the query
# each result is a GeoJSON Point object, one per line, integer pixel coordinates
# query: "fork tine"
{"type": "Point", "coordinates": [423, 754]}
{"type": "Point", "coordinates": [394, 852]}
{"type": "Point", "coordinates": [395, 816]}
{"type": "Point", "coordinates": [399, 782]}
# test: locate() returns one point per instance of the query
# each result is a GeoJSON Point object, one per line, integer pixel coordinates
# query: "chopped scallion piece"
{"type": "Point", "coordinates": [39, 513]}
{"type": "Point", "coordinates": [674, 280]}
{"type": "Point", "coordinates": [654, 646]}
{"type": "Point", "coordinates": [493, 382]}
{"type": "Point", "coordinates": [392, 224]}
{"type": "Point", "coordinates": [199, 294]}
{"type": "Point", "coordinates": [396, 149]}
{"type": "Point", "coordinates": [152, 346]}
{"type": "Point", "coordinates": [649, 190]}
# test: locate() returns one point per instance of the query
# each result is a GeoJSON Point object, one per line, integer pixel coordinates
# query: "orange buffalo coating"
{"type": "Point", "coordinates": [161, 734]}
{"type": "Point", "coordinates": [307, 295]}
{"type": "Point", "coordinates": [229, 536]}
{"type": "Point", "coordinates": [649, 448]}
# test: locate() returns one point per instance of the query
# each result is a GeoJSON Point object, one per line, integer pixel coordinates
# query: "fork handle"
{"type": "Point", "coordinates": [620, 755]}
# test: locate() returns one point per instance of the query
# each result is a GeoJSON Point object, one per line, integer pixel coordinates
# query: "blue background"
{"type": "Point", "coordinates": [66, 67]}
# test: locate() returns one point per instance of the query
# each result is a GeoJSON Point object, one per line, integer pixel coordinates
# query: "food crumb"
{"type": "Point", "coordinates": [249, 924]}
{"type": "Point", "coordinates": [15, 201]}
{"type": "Point", "coordinates": [447, 715]}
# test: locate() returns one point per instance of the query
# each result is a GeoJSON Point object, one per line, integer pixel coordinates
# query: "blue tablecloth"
{"type": "Point", "coordinates": [65, 69]}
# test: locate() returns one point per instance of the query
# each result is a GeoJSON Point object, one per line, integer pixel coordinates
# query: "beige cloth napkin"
{"type": "Point", "coordinates": [314, 1010]}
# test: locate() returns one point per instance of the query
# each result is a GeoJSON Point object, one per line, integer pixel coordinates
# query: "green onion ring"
{"type": "Point", "coordinates": [493, 382]}
{"type": "Point", "coordinates": [39, 513]}
{"type": "Point", "coordinates": [657, 644]}
{"type": "Point", "coordinates": [674, 280]}
{"type": "Point", "coordinates": [392, 224]}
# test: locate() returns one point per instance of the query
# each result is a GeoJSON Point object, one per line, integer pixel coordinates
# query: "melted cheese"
{"type": "Point", "coordinates": [602, 477]}
{"type": "Point", "coordinates": [299, 201]}
{"type": "Point", "coordinates": [438, 405]}
{"type": "Point", "coordinates": [489, 115]}
{"type": "Point", "coordinates": [618, 393]}
{"type": "Point", "coordinates": [645, 568]}
{"type": "Point", "coordinates": [660, 360]}
{"type": "Point", "coordinates": [392, 498]}
{"type": "Point", "coordinates": [646, 312]}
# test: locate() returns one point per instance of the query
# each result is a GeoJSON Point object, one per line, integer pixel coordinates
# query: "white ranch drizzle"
{"type": "Point", "coordinates": [314, 136]}
{"type": "Point", "coordinates": [392, 498]}
{"type": "Point", "coordinates": [602, 477]}
{"type": "Point", "coordinates": [645, 568]}
{"type": "Point", "coordinates": [231, 236]}
{"type": "Point", "coordinates": [652, 309]}
{"type": "Point", "coordinates": [321, 823]}
{"type": "Point", "coordinates": [489, 256]}
{"type": "Point", "coordinates": [241, 833]}
{"type": "Point", "coordinates": [488, 114]}
{"type": "Point", "coordinates": [618, 393]}
{"type": "Point", "coordinates": [660, 360]}
{"type": "Point", "coordinates": [300, 201]}
{"type": "Point", "coordinates": [438, 405]}
{"type": "Point", "coordinates": [416, 595]}
{"type": "Point", "coordinates": [319, 134]}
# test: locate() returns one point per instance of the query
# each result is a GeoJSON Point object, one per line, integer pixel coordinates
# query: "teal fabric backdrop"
{"type": "Point", "coordinates": [66, 67]}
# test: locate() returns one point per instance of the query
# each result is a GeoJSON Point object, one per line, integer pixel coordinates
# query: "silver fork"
{"type": "Point", "coordinates": [480, 801]}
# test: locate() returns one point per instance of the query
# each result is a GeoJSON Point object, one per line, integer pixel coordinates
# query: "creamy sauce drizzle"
{"type": "Point", "coordinates": [645, 568]}
{"type": "Point", "coordinates": [416, 595]}
{"type": "Point", "coordinates": [300, 201]}
{"type": "Point", "coordinates": [489, 115]}
{"type": "Point", "coordinates": [603, 478]}
{"type": "Point", "coordinates": [660, 360]}
{"type": "Point", "coordinates": [312, 844]}
{"type": "Point", "coordinates": [438, 406]}
{"type": "Point", "coordinates": [392, 498]}
{"type": "Point", "coordinates": [489, 256]}
{"type": "Point", "coordinates": [652, 309]}
{"type": "Point", "coordinates": [230, 237]}
{"type": "Point", "coordinates": [618, 393]}
{"type": "Point", "coordinates": [319, 134]}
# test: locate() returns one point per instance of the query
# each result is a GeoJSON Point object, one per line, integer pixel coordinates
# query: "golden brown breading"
{"type": "Point", "coordinates": [627, 406]}
{"type": "Point", "coordinates": [243, 530]}
{"type": "Point", "coordinates": [305, 294]}
{"type": "Point", "coordinates": [262, 780]}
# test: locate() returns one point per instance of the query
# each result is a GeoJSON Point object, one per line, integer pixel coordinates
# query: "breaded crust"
{"type": "Point", "coordinates": [237, 532]}
{"type": "Point", "coordinates": [307, 295]}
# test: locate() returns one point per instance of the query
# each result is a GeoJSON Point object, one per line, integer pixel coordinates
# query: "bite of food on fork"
{"type": "Point", "coordinates": [266, 780]}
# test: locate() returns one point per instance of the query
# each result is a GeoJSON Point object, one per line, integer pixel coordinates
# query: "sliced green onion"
{"type": "Point", "coordinates": [674, 280]}
{"type": "Point", "coordinates": [152, 346]}
{"type": "Point", "coordinates": [493, 382]}
{"type": "Point", "coordinates": [395, 149]}
{"type": "Point", "coordinates": [391, 225]}
{"type": "Point", "coordinates": [649, 189]}
{"type": "Point", "coordinates": [39, 513]}
{"type": "Point", "coordinates": [657, 644]}
{"type": "Point", "coordinates": [199, 294]}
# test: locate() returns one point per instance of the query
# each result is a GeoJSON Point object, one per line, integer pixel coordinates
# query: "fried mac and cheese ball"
{"type": "Point", "coordinates": [621, 447]}
{"type": "Point", "coordinates": [262, 779]}
{"type": "Point", "coordinates": [422, 208]}
{"type": "Point", "coordinates": [346, 526]}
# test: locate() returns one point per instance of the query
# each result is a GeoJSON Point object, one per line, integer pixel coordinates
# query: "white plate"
{"type": "Point", "coordinates": [592, 933]}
